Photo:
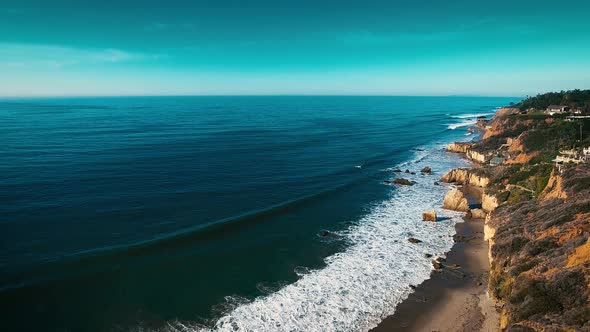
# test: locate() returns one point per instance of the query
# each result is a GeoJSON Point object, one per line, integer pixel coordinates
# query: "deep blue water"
{"type": "Point", "coordinates": [119, 212]}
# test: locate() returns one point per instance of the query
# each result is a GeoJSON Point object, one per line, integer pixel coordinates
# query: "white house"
{"type": "Point", "coordinates": [556, 109]}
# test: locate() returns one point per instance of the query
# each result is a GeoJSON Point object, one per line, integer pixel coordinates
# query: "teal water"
{"type": "Point", "coordinates": [120, 213]}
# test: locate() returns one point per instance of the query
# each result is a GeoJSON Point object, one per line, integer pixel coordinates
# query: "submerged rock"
{"type": "Point", "coordinates": [402, 181]}
{"type": "Point", "coordinates": [427, 170]}
{"type": "Point", "coordinates": [407, 171]}
{"type": "Point", "coordinates": [414, 240]}
{"type": "Point", "coordinates": [436, 265]}
{"type": "Point", "coordinates": [429, 215]}
{"type": "Point", "coordinates": [397, 170]}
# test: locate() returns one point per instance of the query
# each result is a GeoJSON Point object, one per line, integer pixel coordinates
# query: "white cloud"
{"type": "Point", "coordinates": [55, 56]}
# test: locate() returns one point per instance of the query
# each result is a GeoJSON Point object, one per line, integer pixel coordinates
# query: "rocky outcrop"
{"type": "Point", "coordinates": [554, 188]}
{"type": "Point", "coordinates": [456, 175]}
{"type": "Point", "coordinates": [478, 214]}
{"type": "Point", "coordinates": [465, 176]}
{"type": "Point", "coordinates": [455, 200]}
{"type": "Point", "coordinates": [477, 156]}
{"type": "Point", "coordinates": [489, 202]}
{"type": "Point", "coordinates": [426, 170]}
{"type": "Point", "coordinates": [460, 147]}
{"type": "Point", "coordinates": [429, 215]}
{"type": "Point", "coordinates": [488, 235]}
{"type": "Point", "coordinates": [402, 181]}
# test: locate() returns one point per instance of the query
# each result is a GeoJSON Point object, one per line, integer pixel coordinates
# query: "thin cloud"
{"type": "Point", "coordinates": [55, 56]}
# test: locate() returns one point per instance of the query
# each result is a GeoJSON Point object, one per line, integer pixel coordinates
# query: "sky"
{"type": "Point", "coordinates": [307, 47]}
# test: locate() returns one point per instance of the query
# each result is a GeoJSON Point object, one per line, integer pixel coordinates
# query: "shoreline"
{"type": "Point", "coordinates": [455, 297]}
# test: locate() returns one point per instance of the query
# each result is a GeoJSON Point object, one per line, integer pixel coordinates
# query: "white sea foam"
{"type": "Point", "coordinates": [470, 116]}
{"type": "Point", "coordinates": [465, 123]}
{"type": "Point", "coordinates": [363, 284]}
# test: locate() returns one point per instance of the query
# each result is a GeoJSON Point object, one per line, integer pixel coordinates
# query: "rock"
{"type": "Point", "coordinates": [489, 202]}
{"type": "Point", "coordinates": [414, 240]}
{"type": "Point", "coordinates": [324, 233]}
{"type": "Point", "coordinates": [429, 215]}
{"type": "Point", "coordinates": [455, 200]}
{"type": "Point", "coordinates": [427, 255]}
{"type": "Point", "coordinates": [460, 147]}
{"type": "Point", "coordinates": [397, 170]}
{"type": "Point", "coordinates": [436, 183]}
{"type": "Point", "coordinates": [412, 286]}
{"type": "Point", "coordinates": [426, 170]}
{"type": "Point", "coordinates": [407, 171]}
{"type": "Point", "coordinates": [468, 215]}
{"type": "Point", "coordinates": [456, 175]}
{"type": "Point", "coordinates": [478, 214]}
{"type": "Point", "coordinates": [464, 176]}
{"type": "Point", "coordinates": [436, 265]}
{"type": "Point", "coordinates": [441, 259]}
{"type": "Point", "coordinates": [412, 173]}
{"type": "Point", "coordinates": [405, 182]}
{"type": "Point", "coordinates": [477, 156]}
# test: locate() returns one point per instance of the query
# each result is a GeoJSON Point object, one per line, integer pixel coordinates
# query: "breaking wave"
{"type": "Point", "coordinates": [363, 284]}
{"type": "Point", "coordinates": [465, 123]}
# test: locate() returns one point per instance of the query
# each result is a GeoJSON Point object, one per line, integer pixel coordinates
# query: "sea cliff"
{"type": "Point", "coordinates": [537, 219]}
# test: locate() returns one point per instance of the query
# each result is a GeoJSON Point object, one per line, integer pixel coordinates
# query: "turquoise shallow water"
{"type": "Point", "coordinates": [126, 212]}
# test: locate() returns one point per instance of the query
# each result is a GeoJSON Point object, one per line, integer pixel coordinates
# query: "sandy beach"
{"type": "Point", "coordinates": [455, 298]}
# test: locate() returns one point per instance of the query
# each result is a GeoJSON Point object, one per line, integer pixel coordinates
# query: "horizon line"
{"type": "Point", "coordinates": [253, 95]}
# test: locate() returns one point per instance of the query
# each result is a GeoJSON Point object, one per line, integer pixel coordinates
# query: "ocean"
{"type": "Point", "coordinates": [221, 213]}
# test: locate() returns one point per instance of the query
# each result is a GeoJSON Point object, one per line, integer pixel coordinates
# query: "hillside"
{"type": "Point", "coordinates": [573, 98]}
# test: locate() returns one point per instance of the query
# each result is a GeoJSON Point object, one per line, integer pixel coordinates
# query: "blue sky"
{"type": "Point", "coordinates": [174, 47]}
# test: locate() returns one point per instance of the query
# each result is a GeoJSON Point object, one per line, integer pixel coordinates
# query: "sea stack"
{"type": "Point", "coordinates": [429, 215]}
{"type": "Point", "coordinates": [455, 200]}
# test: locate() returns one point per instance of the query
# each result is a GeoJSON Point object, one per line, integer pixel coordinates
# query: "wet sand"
{"type": "Point", "coordinates": [455, 298]}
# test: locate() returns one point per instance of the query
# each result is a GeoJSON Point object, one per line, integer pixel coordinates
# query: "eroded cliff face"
{"type": "Point", "coordinates": [501, 123]}
{"type": "Point", "coordinates": [554, 188]}
{"type": "Point", "coordinates": [489, 202]}
{"type": "Point", "coordinates": [465, 176]}
{"type": "Point", "coordinates": [477, 156]}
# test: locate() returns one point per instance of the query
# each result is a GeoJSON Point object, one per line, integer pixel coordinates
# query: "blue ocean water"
{"type": "Point", "coordinates": [127, 213]}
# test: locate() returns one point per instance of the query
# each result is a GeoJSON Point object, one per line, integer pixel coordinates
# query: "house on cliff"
{"type": "Point", "coordinates": [556, 109]}
{"type": "Point", "coordinates": [569, 157]}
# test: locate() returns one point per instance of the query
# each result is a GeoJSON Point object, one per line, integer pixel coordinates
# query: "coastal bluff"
{"type": "Point", "coordinates": [537, 218]}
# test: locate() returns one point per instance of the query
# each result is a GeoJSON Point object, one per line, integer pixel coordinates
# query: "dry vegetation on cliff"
{"type": "Point", "coordinates": [541, 262]}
